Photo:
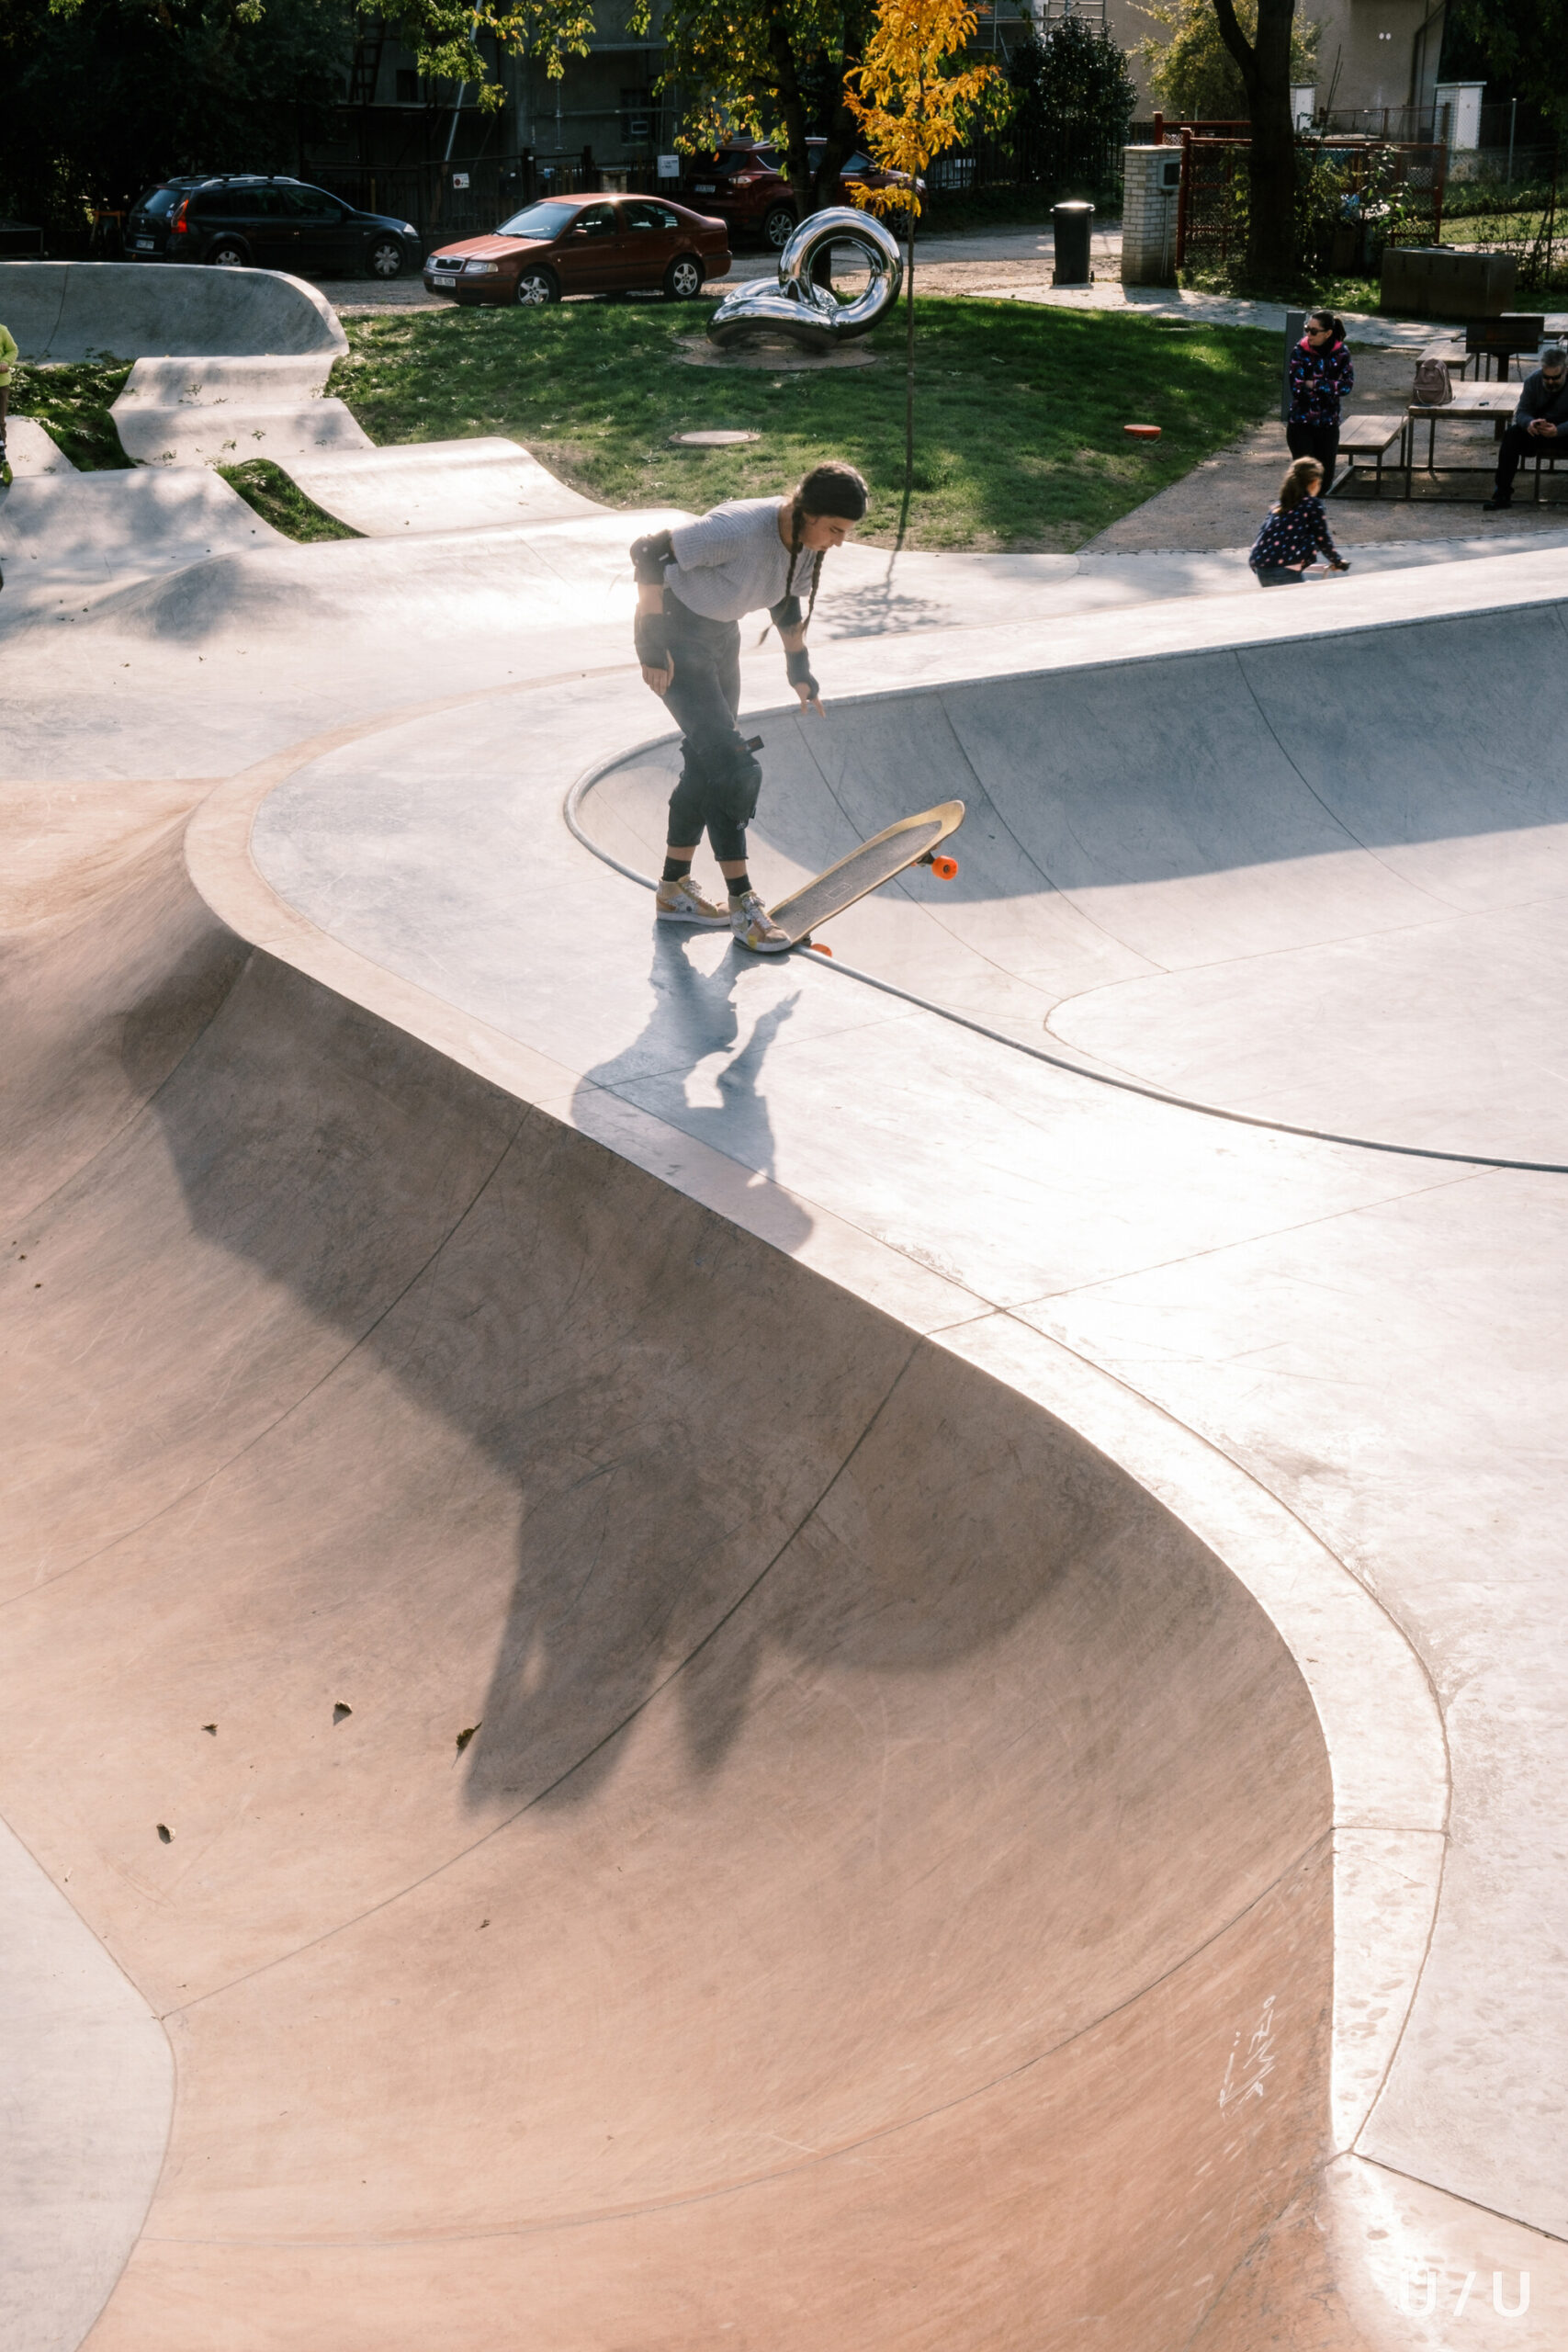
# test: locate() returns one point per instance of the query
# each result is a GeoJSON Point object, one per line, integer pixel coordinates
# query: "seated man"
{"type": "Point", "coordinates": [1540, 416]}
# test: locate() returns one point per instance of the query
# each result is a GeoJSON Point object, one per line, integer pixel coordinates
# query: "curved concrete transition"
{"type": "Point", "coordinates": [60, 529]}
{"type": "Point", "coordinates": [223, 411]}
{"type": "Point", "coordinates": [119, 310]}
{"type": "Point", "coordinates": [1348, 918]}
{"type": "Point", "coordinates": [667, 1835]}
{"type": "Point", "coordinates": [732, 1665]}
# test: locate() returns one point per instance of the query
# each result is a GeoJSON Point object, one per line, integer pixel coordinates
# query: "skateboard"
{"type": "Point", "coordinates": [913, 840]}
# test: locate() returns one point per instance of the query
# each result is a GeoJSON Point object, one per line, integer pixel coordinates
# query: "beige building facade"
{"type": "Point", "coordinates": [1371, 54]}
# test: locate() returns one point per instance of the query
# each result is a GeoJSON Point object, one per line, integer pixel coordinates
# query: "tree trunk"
{"type": "Point", "coordinates": [844, 132]}
{"type": "Point", "coordinates": [792, 107]}
{"type": "Point", "coordinates": [1264, 68]}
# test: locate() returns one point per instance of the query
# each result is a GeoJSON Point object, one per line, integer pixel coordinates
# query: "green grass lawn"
{"type": "Point", "coordinates": [1019, 409]}
{"type": "Point", "coordinates": [72, 404]}
{"type": "Point", "coordinates": [281, 502]}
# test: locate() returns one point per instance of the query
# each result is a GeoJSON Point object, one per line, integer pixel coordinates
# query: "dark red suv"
{"type": "Point", "coordinates": [744, 186]}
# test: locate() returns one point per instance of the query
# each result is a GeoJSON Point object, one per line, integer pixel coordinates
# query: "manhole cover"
{"type": "Point", "coordinates": [720, 440]}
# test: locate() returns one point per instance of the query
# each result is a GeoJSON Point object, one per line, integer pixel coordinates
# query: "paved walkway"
{"type": "Point", "coordinates": [1222, 500]}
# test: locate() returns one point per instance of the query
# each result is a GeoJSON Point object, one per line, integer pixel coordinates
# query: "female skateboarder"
{"type": "Point", "coordinates": [695, 585]}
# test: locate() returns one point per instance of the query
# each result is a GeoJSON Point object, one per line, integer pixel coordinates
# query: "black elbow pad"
{"type": "Point", "coordinates": [650, 557]}
{"type": "Point", "coordinates": [786, 613]}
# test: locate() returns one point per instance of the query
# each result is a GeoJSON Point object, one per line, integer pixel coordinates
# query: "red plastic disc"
{"type": "Point", "coordinates": [1141, 432]}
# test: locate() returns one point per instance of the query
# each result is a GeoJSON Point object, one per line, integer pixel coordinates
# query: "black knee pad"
{"type": "Point", "coordinates": [735, 779]}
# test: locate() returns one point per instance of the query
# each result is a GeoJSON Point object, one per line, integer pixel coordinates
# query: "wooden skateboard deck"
{"type": "Point", "coordinates": [913, 840]}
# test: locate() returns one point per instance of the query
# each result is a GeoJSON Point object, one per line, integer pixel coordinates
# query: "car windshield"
{"type": "Point", "coordinates": [162, 200]}
{"type": "Point", "coordinates": [539, 221]}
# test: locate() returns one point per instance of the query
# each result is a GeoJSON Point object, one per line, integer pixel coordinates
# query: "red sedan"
{"type": "Point", "coordinates": [585, 244]}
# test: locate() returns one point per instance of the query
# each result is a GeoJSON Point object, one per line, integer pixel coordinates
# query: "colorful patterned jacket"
{"type": "Point", "coordinates": [1295, 538]}
{"type": "Point", "coordinates": [1319, 381]}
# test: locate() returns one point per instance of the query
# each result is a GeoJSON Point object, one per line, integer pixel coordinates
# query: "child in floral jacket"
{"type": "Point", "coordinates": [1296, 531]}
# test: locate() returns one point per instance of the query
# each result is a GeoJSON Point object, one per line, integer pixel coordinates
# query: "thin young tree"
{"type": "Point", "coordinates": [913, 99]}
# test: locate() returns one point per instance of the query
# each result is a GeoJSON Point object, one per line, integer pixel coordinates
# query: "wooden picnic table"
{"type": "Point", "coordinates": [1495, 403]}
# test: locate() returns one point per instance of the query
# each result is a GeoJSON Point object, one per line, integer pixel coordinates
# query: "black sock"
{"type": "Point", "coordinates": [675, 869]}
{"type": "Point", "coordinates": [739, 885]}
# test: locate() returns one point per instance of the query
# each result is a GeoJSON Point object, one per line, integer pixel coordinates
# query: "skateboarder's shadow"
{"type": "Point", "coordinates": [684, 1066]}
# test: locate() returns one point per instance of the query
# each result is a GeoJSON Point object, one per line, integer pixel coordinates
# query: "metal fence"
{"type": "Point", "coordinates": [1536, 234]}
{"type": "Point", "coordinates": [1358, 194]}
{"type": "Point", "coordinates": [446, 200]}
{"type": "Point", "coordinates": [1076, 159]}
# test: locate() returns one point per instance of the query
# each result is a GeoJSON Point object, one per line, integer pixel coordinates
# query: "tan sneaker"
{"type": "Point", "coordinates": [754, 927]}
{"type": "Point", "coordinates": [682, 901]}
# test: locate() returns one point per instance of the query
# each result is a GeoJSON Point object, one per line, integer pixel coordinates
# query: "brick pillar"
{"type": "Point", "coordinates": [1148, 215]}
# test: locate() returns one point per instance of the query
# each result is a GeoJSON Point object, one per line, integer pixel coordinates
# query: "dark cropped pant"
{"type": "Point", "coordinates": [1517, 447]}
{"type": "Point", "coordinates": [720, 777]}
{"type": "Point", "coordinates": [1319, 441]}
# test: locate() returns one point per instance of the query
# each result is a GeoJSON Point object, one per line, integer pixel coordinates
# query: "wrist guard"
{"type": "Point", "coordinates": [651, 633]}
{"type": "Point", "coordinates": [650, 557]}
{"type": "Point", "coordinates": [786, 613]}
{"type": "Point", "coordinates": [797, 669]}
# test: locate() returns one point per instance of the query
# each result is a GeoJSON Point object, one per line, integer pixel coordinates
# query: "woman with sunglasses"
{"type": "Point", "coordinates": [1320, 376]}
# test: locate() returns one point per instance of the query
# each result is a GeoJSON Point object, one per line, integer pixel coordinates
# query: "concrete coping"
{"type": "Point", "coordinates": [109, 309]}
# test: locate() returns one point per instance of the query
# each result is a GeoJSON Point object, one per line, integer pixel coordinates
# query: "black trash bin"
{"type": "Point", "coordinates": [1072, 224]}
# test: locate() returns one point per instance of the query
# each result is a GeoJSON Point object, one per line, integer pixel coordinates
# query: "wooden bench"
{"type": "Point", "coordinates": [1367, 440]}
{"type": "Point", "coordinates": [1451, 348]}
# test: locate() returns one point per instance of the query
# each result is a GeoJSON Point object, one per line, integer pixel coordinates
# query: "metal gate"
{"type": "Point", "coordinates": [1371, 193]}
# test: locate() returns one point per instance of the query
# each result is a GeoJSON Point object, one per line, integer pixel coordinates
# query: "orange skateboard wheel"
{"type": "Point", "coordinates": [817, 948]}
{"type": "Point", "coordinates": [944, 868]}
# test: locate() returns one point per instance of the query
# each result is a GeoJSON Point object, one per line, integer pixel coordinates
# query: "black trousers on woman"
{"type": "Point", "coordinates": [1319, 441]}
{"type": "Point", "coordinates": [720, 777]}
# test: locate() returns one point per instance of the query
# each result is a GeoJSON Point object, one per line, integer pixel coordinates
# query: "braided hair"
{"type": "Point", "coordinates": [832, 488]}
{"type": "Point", "coordinates": [796, 524]}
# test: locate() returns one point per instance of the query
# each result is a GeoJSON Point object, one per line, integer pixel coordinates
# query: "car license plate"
{"type": "Point", "coordinates": [443, 277]}
{"type": "Point", "coordinates": [704, 187]}
{"type": "Point", "coordinates": [143, 244]}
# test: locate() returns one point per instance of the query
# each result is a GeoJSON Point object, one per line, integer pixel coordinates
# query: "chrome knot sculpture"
{"type": "Point", "coordinates": [810, 315]}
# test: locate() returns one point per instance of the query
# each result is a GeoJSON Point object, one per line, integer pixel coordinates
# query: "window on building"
{"type": "Point", "coordinates": [636, 117]}
{"type": "Point", "coordinates": [408, 86]}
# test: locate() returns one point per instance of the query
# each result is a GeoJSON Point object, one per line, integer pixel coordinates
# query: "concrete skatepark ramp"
{"type": "Point", "coordinates": [113, 309]}
{"type": "Point", "coordinates": [693, 1659]}
{"type": "Point", "coordinates": [880, 1851]}
{"type": "Point", "coordinates": [217, 411]}
{"type": "Point", "coordinates": [1352, 929]}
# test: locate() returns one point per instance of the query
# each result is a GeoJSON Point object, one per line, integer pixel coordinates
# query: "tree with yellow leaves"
{"type": "Point", "coordinates": [914, 97]}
